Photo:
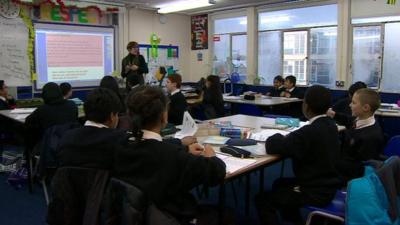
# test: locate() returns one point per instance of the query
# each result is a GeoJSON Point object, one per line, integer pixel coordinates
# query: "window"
{"type": "Point", "coordinates": [391, 59]}
{"type": "Point", "coordinates": [295, 54]}
{"type": "Point", "coordinates": [323, 56]}
{"type": "Point", "coordinates": [367, 54]}
{"type": "Point", "coordinates": [309, 53]}
{"type": "Point", "coordinates": [230, 47]}
{"type": "Point", "coordinates": [270, 55]}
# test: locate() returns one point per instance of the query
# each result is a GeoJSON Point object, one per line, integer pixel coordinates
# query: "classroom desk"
{"type": "Point", "coordinates": [19, 118]}
{"type": "Point", "coordinates": [255, 123]}
{"type": "Point", "coordinates": [384, 113]}
{"type": "Point", "coordinates": [261, 101]}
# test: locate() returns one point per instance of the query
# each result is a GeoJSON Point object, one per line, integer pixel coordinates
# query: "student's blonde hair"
{"type": "Point", "coordinates": [369, 97]}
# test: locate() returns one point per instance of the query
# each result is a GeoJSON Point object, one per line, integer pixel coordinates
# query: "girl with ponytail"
{"type": "Point", "coordinates": [165, 172]}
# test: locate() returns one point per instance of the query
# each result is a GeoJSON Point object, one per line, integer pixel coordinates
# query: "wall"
{"type": "Point", "coordinates": [373, 8]}
{"type": "Point", "coordinates": [138, 24]}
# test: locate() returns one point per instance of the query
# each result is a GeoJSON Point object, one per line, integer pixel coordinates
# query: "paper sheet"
{"type": "Point", "coordinates": [265, 134]}
{"type": "Point", "coordinates": [234, 164]}
{"type": "Point", "coordinates": [189, 127]}
{"type": "Point", "coordinates": [23, 111]}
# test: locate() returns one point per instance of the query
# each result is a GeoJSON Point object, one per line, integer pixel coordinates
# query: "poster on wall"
{"type": "Point", "coordinates": [199, 32]}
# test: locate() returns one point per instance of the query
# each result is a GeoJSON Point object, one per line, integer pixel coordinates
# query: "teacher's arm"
{"type": "Point", "coordinates": [124, 71]}
{"type": "Point", "coordinates": [142, 65]}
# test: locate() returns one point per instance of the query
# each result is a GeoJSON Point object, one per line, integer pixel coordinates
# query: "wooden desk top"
{"type": "Point", "coordinates": [263, 101]}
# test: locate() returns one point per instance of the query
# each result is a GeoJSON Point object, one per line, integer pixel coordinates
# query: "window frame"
{"type": "Point", "coordinates": [308, 69]}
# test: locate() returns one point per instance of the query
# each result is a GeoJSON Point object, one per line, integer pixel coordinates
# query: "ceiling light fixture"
{"type": "Point", "coordinates": [184, 5]}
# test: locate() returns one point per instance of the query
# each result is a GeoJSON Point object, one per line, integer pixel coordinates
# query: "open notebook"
{"type": "Point", "coordinates": [234, 164]}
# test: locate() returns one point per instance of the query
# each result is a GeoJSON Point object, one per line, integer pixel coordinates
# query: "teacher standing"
{"type": "Point", "coordinates": [133, 66]}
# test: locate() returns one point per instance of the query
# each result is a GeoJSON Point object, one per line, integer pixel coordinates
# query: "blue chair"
{"type": "Point", "coordinates": [334, 211]}
{"type": "Point", "coordinates": [393, 147]}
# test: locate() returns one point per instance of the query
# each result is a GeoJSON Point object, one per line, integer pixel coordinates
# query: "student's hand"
{"type": "Point", "coordinates": [330, 113]}
{"type": "Point", "coordinates": [286, 94]}
{"type": "Point", "coordinates": [9, 97]}
{"type": "Point", "coordinates": [208, 151]}
{"type": "Point", "coordinates": [128, 67]}
{"type": "Point", "coordinates": [268, 94]}
{"type": "Point", "coordinates": [134, 67]}
{"type": "Point", "coordinates": [188, 140]}
{"type": "Point", "coordinates": [196, 149]}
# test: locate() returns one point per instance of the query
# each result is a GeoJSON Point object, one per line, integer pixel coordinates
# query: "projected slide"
{"type": "Point", "coordinates": [76, 54]}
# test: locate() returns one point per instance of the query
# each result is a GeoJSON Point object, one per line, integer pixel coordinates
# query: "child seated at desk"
{"type": "Point", "coordinates": [55, 111]}
{"type": "Point", "coordinates": [343, 105]}
{"type": "Point", "coordinates": [291, 91]}
{"type": "Point", "coordinates": [177, 105]}
{"type": "Point", "coordinates": [6, 101]}
{"type": "Point", "coordinates": [364, 140]}
{"type": "Point", "coordinates": [278, 88]}
{"type": "Point", "coordinates": [314, 149]}
{"type": "Point", "coordinates": [93, 145]}
{"type": "Point", "coordinates": [164, 172]}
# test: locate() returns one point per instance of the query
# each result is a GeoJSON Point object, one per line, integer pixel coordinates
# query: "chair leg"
{"type": "Point", "coordinates": [45, 192]}
{"type": "Point", "coordinates": [322, 214]}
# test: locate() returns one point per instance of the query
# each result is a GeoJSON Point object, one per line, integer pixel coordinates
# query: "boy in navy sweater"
{"type": "Point", "coordinates": [363, 140]}
{"type": "Point", "coordinates": [314, 149]}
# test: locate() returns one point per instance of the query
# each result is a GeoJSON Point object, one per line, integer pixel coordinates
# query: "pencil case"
{"type": "Point", "coordinates": [290, 122]}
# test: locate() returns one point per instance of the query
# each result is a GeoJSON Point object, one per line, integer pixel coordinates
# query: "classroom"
{"type": "Point", "coordinates": [199, 112]}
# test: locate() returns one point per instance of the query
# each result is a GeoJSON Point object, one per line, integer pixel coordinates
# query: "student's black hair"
{"type": "Point", "coordinates": [214, 83]}
{"type": "Point", "coordinates": [111, 84]}
{"type": "Point", "coordinates": [318, 99]}
{"type": "Point", "coordinates": [65, 88]}
{"type": "Point", "coordinates": [2, 84]}
{"type": "Point", "coordinates": [145, 107]}
{"type": "Point", "coordinates": [356, 86]}
{"type": "Point", "coordinates": [279, 78]}
{"type": "Point", "coordinates": [51, 94]}
{"type": "Point", "coordinates": [292, 79]}
{"type": "Point", "coordinates": [99, 105]}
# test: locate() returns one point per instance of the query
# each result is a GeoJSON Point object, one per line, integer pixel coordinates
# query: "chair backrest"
{"type": "Point", "coordinates": [48, 147]}
{"type": "Point", "coordinates": [77, 194]}
{"type": "Point", "coordinates": [393, 147]}
{"type": "Point", "coordinates": [123, 204]}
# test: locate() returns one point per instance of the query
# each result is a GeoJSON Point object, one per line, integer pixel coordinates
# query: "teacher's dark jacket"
{"type": "Point", "coordinates": [134, 77]}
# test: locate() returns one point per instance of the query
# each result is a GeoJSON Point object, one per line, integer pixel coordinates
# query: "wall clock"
{"type": "Point", "coordinates": [9, 9]}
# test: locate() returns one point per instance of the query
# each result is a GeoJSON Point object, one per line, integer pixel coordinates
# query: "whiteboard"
{"type": "Point", "coordinates": [14, 61]}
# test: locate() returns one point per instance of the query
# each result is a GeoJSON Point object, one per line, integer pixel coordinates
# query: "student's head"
{"type": "Point", "coordinates": [317, 101]}
{"type": "Point", "coordinates": [364, 103]}
{"type": "Point", "coordinates": [66, 90]}
{"type": "Point", "coordinates": [355, 87]}
{"type": "Point", "coordinates": [133, 48]}
{"type": "Point", "coordinates": [174, 82]}
{"type": "Point", "coordinates": [3, 89]}
{"type": "Point", "coordinates": [290, 82]}
{"type": "Point", "coordinates": [110, 83]}
{"type": "Point", "coordinates": [278, 81]}
{"type": "Point", "coordinates": [148, 109]}
{"type": "Point", "coordinates": [51, 94]}
{"type": "Point", "coordinates": [212, 82]}
{"type": "Point", "coordinates": [102, 106]}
